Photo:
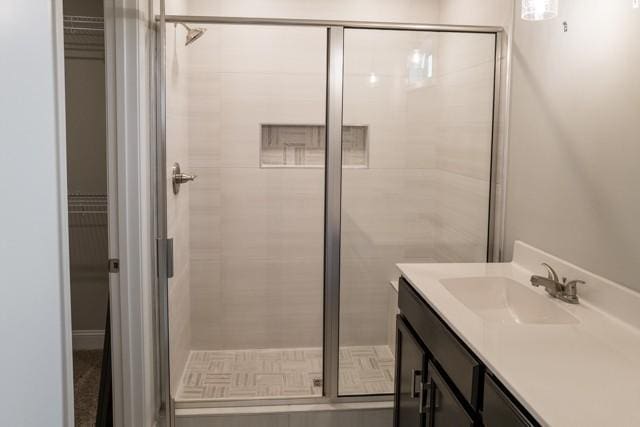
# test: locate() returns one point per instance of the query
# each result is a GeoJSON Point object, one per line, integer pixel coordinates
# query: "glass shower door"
{"type": "Point", "coordinates": [253, 304]}
{"type": "Point", "coordinates": [415, 178]}
{"type": "Point", "coordinates": [246, 115]}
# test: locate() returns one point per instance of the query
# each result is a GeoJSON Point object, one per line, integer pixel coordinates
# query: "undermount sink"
{"type": "Point", "coordinates": [500, 299]}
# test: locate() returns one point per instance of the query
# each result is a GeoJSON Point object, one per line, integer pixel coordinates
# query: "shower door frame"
{"type": "Point", "coordinates": [332, 196]}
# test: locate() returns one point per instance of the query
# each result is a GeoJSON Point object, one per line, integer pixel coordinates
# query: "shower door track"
{"type": "Point", "coordinates": [333, 182]}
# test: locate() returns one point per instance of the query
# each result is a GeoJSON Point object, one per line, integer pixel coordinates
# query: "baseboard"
{"type": "Point", "coordinates": [88, 339]}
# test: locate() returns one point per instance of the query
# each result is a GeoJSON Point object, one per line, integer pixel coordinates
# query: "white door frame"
{"type": "Point", "coordinates": [128, 81]}
{"type": "Point", "coordinates": [61, 140]}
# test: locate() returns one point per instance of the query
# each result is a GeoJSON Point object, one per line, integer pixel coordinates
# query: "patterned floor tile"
{"type": "Point", "coordinates": [279, 373]}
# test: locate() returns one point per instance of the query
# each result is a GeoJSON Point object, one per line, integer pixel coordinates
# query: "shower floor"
{"type": "Point", "coordinates": [283, 373]}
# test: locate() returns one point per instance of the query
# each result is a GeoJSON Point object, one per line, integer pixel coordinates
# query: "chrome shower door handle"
{"type": "Point", "coordinates": [178, 178]}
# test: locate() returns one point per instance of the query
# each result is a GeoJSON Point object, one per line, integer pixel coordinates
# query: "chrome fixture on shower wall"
{"type": "Point", "coordinates": [539, 10]}
{"type": "Point", "coordinates": [193, 34]}
{"type": "Point", "coordinates": [178, 178]}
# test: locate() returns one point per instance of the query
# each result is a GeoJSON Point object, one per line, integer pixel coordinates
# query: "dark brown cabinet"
{"type": "Point", "coordinates": [410, 369]}
{"type": "Point", "coordinates": [440, 382]}
{"type": "Point", "coordinates": [446, 410]}
{"type": "Point", "coordinates": [499, 409]}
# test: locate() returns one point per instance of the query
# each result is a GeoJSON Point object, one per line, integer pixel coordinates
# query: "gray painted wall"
{"type": "Point", "coordinates": [573, 186]}
{"type": "Point", "coordinates": [35, 349]}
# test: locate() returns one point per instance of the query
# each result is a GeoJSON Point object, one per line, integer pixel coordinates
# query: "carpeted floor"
{"type": "Point", "coordinates": [86, 383]}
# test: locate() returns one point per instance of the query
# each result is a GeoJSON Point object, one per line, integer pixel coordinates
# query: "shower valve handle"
{"type": "Point", "coordinates": [183, 178]}
{"type": "Point", "coordinates": [178, 178]}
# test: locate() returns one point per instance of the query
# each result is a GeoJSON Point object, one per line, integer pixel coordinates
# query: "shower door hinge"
{"type": "Point", "coordinates": [113, 265]}
{"type": "Point", "coordinates": [165, 255]}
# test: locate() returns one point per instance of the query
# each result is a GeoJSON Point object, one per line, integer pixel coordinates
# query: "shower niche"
{"type": "Point", "coordinates": [303, 146]}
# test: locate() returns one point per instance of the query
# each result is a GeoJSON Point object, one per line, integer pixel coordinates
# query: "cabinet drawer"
{"type": "Point", "coordinates": [456, 361]}
{"type": "Point", "coordinates": [498, 409]}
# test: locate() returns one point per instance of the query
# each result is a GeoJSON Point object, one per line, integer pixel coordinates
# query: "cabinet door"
{"type": "Point", "coordinates": [446, 409]}
{"type": "Point", "coordinates": [410, 376]}
{"type": "Point", "coordinates": [500, 409]}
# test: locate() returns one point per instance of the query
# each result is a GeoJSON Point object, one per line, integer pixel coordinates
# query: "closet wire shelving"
{"type": "Point", "coordinates": [88, 238]}
{"type": "Point", "coordinates": [83, 37]}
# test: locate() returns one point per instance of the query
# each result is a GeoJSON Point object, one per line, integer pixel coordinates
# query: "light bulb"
{"type": "Point", "coordinates": [538, 10]}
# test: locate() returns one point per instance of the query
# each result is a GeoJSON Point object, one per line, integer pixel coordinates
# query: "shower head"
{"type": "Point", "coordinates": [193, 34]}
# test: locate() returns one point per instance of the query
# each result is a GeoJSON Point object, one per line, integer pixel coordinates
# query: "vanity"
{"type": "Point", "coordinates": [477, 345]}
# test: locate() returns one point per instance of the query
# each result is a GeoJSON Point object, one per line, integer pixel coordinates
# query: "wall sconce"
{"type": "Point", "coordinates": [539, 10]}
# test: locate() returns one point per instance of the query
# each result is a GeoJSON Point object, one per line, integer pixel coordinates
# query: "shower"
{"type": "Point", "coordinates": [193, 34]}
{"type": "Point", "coordinates": [259, 308]}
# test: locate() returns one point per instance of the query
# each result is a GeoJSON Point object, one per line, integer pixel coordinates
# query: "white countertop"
{"type": "Point", "coordinates": [582, 374]}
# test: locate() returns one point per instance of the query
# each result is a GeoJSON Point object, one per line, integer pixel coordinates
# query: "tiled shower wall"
{"type": "Point", "coordinates": [425, 197]}
{"type": "Point", "coordinates": [466, 79]}
{"type": "Point", "coordinates": [256, 233]}
{"type": "Point", "coordinates": [386, 208]}
{"type": "Point", "coordinates": [463, 148]}
{"type": "Point", "coordinates": [493, 13]}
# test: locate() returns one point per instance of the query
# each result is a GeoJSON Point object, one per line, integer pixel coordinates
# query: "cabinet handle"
{"type": "Point", "coordinates": [416, 374]}
{"type": "Point", "coordinates": [418, 389]}
{"type": "Point", "coordinates": [425, 399]}
{"type": "Point", "coordinates": [434, 392]}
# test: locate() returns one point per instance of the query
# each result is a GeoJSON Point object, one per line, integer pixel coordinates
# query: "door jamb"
{"type": "Point", "coordinates": [127, 62]}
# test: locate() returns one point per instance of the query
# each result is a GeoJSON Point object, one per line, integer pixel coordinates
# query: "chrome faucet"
{"type": "Point", "coordinates": [565, 291]}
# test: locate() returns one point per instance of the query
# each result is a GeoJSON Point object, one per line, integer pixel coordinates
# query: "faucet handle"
{"type": "Point", "coordinates": [551, 273]}
{"type": "Point", "coordinates": [575, 282]}
{"type": "Point", "coordinates": [571, 290]}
